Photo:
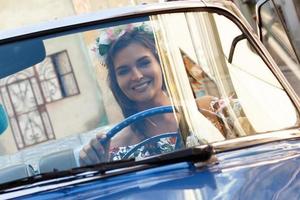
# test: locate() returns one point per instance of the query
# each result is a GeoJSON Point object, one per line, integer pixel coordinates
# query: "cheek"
{"type": "Point", "coordinates": [160, 82]}
{"type": "Point", "coordinates": [159, 77]}
{"type": "Point", "coordinates": [122, 83]}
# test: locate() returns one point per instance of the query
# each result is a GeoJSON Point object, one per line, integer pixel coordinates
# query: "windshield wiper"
{"type": "Point", "coordinates": [193, 155]}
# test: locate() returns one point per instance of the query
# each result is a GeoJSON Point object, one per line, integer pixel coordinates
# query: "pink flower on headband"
{"type": "Point", "coordinates": [129, 27]}
{"type": "Point", "coordinates": [109, 35]}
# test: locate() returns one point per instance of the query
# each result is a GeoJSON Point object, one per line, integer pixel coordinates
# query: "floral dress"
{"type": "Point", "coordinates": [163, 145]}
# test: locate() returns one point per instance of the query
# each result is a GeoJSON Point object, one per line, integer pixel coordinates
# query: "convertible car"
{"type": "Point", "coordinates": [236, 117]}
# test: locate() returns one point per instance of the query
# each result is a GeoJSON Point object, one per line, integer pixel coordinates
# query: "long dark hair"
{"type": "Point", "coordinates": [143, 38]}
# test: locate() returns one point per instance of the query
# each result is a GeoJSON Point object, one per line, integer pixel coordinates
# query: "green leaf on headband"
{"type": "Point", "coordinates": [103, 49]}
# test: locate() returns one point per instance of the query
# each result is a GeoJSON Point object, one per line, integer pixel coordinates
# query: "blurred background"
{"type": "Point", "coordinates": [16, 13]}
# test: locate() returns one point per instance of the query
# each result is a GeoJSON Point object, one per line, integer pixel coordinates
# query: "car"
{"type": "Point", "coordinates": [173, 100]}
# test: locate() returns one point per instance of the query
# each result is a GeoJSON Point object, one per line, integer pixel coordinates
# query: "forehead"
{"type": "Point", "coordinates": [131, 53]}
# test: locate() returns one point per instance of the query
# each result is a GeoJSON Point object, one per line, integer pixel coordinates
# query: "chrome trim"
{"type": "Point", "coordinates": [110, 15]}
{"type": "Point", "coordinates": [117, 13]}
{"type": "Point", "coordinates": [258, 139]}
{"type": "Point", "coordinates": [258, 6]}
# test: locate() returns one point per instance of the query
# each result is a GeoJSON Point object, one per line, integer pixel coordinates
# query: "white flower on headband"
{"type": "Point", "coordinates": [109, 35]}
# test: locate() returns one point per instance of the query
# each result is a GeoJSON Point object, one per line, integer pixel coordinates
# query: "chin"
{"type": "Point", "coordinates": [143, 99]}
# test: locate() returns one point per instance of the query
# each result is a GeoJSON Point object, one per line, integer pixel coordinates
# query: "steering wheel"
{"type": "Point", "coordinates": [139, 116]}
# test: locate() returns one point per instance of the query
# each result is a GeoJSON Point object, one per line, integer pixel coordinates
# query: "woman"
{"type": "Point", "coordinates": [135, 77]}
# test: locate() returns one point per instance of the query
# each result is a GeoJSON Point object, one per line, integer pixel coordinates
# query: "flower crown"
{"type": "Point", "coordinates": [109, 35]}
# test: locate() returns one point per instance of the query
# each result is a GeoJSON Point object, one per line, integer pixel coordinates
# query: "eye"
{"type": "Point", "coordinates": [122, 71]}
{"type": "Point", "coordinates": [144, 62]}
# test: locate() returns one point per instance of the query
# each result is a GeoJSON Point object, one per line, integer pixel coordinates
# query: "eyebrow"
{"type": "Point", "coordinates": [142, 58]}
{"type": "Point", "coordinates": [121, 67]}
{"type": "Point", "coordinates": [138, 60]}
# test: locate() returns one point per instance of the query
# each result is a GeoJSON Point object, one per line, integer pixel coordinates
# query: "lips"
{"type": "Point", "coordinates": [141, 87]}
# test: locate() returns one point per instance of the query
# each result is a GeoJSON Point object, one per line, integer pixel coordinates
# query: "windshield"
{"type": "Point", "coordinates": [61, 109]}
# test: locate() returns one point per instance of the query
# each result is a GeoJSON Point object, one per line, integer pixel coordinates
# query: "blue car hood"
{"type": "Point", "coordinates": [269, 171]}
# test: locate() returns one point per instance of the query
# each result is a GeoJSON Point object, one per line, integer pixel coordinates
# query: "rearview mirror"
{"type": "Point", "coordinates": [17, 56]}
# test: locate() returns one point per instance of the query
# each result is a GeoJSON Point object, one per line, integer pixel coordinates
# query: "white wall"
{"type": "Point", "coordinates": [16, 13]}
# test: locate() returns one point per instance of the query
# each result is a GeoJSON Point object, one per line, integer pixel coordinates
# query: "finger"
{"type": "Point", "coordinates": [91, 154]}
{"type": "Point", "coordinates": [105, 143]}
{"type": "Point", "coordinates": [83, 158]}
{"type": "Point", "coordinates": [98, 148]}
{"type": "Point", "coordinates": [101, 138]}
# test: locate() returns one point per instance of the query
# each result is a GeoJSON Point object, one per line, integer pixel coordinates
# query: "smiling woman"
{"type": "Point", "coordinates": [136, 80]}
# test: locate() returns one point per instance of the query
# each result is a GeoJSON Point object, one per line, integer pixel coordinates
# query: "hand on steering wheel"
{"type": "Point", "coordinates": [139, 116]}
{"type": "Point", "coordinates": [94, 153]}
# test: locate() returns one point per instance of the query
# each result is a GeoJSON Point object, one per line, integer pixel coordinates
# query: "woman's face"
{"type": "Point", "coordinates": [138, 73]}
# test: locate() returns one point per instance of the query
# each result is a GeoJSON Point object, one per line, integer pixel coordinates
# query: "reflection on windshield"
{"type": "Point", "coordinates": [61, 111]}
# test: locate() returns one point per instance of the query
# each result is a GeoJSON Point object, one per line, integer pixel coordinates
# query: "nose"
{"type": "Point", "coordinates": [136, 74]}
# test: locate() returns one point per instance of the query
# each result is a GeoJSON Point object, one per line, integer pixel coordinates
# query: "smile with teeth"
{"type": "Point", "coordinates": [141, 86]}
